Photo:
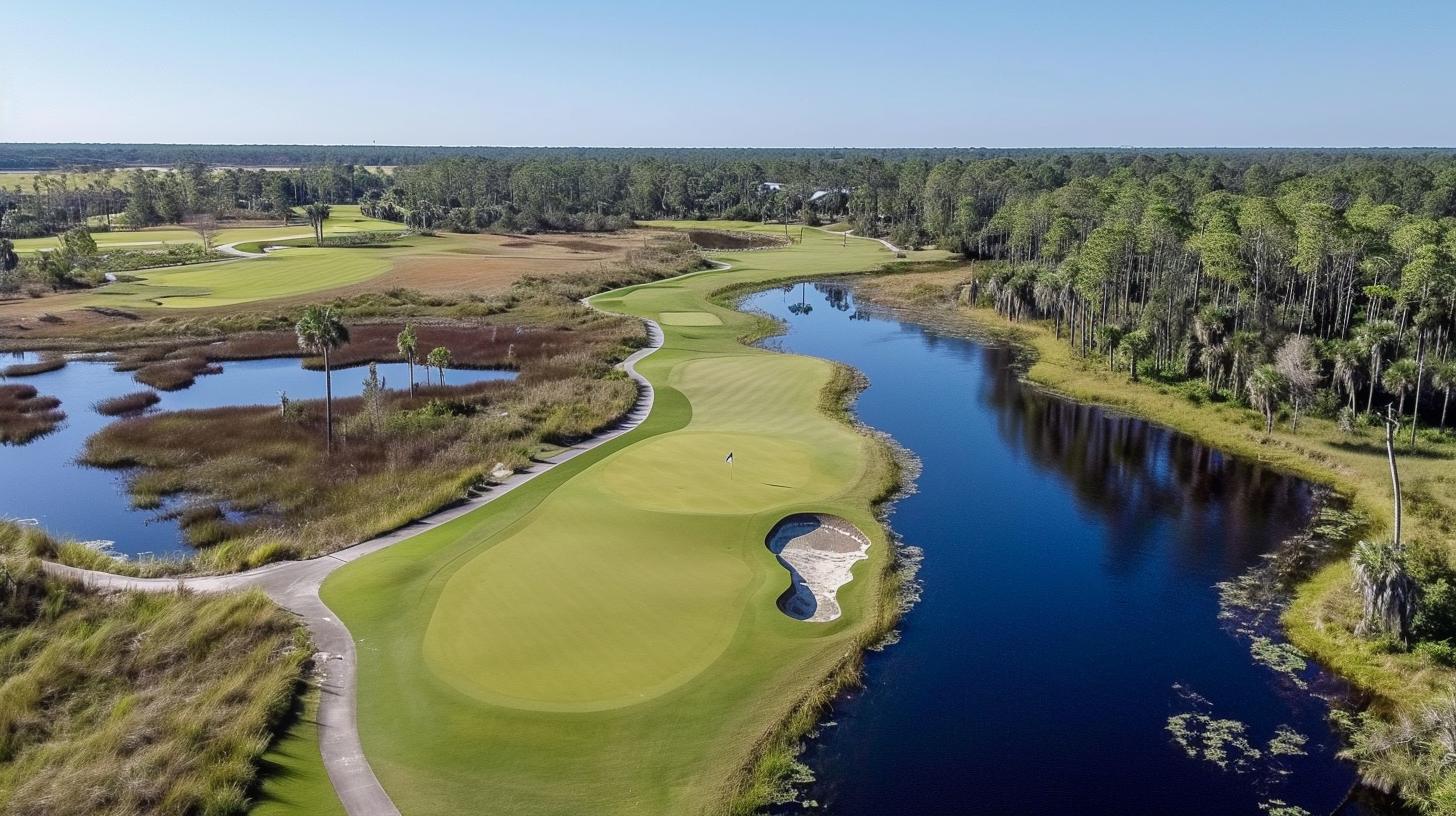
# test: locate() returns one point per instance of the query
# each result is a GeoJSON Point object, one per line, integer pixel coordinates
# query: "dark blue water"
{"type": "Point", "coordinates": [41, 480]}
{"type": "Point", "coordinates": [1068, 606]}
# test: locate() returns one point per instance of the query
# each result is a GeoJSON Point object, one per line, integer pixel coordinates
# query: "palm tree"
{"type": "Point", "coordinates": [1400, 379]}
{"type": "Point", "coordinates": [320, 331]}
{"type": "Point", "coordinates": [1387, 588]}
{"type": "Point", "coordinates": [1348, 357]}
{"type": "Point", "coordinates": [1109, 336]}
{"type": "Point", "coordinates": [1373, 337]}
{"type": "Point", "coordinates": [1134, 346]}
{"type": "Point", "coordinates": [317, 213]}
{"type": "Point", "coordinates": [1380, 568]}
{"type": "Point", "coordinates": [1443, 378]}
{"type": "Point", "coordinates": [439, 358]}
{"type": "Point", "coordinates": [1264, 386]}
{"type": "Point", "coordinates": [408, 346]}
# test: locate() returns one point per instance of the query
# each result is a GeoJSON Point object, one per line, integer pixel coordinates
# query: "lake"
{"type": "Point", "coordinates": [1068, 607]}
{"type": "Point", "coordinates": [41, 480]}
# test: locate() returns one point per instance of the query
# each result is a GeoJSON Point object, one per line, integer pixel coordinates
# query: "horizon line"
{"type": "Point", "coordinates": [731, 147]}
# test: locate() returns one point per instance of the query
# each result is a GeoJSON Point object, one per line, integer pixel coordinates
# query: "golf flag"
{"type": "Point", "coordinates": [729, 460]}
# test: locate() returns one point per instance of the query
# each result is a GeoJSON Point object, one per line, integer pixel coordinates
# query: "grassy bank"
{"type": "Point", "coordinates": [625, 652]}
{"type": "Point", "coordinates": [133, 703]}
{"type": "Point", "coordinates": [1322, 618]}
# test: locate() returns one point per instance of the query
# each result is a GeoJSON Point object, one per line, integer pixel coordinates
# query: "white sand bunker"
{"type": "Point", "coordinates": [818, 550]}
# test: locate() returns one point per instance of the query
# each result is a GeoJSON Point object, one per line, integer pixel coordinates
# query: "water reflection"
{"type": "Point", "coordinates": [1068, 609]}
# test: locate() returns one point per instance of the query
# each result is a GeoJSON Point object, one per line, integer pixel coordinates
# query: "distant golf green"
{"type": "Point", "coordinates": [289, 272]}
{"type": "Point", "coordinates": [605, 639]}
{"type": "Point", "coordinates": [345, 218]}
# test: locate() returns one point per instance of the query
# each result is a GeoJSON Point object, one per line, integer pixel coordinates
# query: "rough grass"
{"type": "Point", "coordinates": [132, 403]}
{"type": "Point", "coordinates": [25, 414]}
{"type": "Point", "coordinates": [135, 703]}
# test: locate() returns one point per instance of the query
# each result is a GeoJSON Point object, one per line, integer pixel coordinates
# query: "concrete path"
{"type": "Point", "coordinates": [232, 248]}
{"type": "Point", "coordinates": [294, 585]}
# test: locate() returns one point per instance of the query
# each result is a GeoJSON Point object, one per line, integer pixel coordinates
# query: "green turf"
{"type": "Point", "coordinates": [605, 639]}
{"type": "Point", "coordinates": [294, 780]}
{"type": "Point", "coordinates": [689, 319]}
{"type": "Point", "coordinates": [344, 218]}
{"type": "Point", "coordinates": [281, 274]}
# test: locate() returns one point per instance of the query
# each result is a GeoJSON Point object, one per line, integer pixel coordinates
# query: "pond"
{"type": "Point", "coordinates": [1068, 611]}
{"type": "Point", "coordinates": [41, 480]}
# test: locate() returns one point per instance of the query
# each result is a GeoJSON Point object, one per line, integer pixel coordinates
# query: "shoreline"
{"type": "Point", "coordinates": [1318, 610]}
{"type": "Point", "coordinates": [775, 774]}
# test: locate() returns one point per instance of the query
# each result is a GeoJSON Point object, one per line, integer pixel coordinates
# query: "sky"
{"type": "Point", "coordinates": [910, 73]}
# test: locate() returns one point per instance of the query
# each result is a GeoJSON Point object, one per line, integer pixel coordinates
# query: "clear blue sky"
{"type": "Point", "coordinates": [740, 73]}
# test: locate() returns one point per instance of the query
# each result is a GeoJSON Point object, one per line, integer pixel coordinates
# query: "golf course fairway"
{"type": "Point", "coordinates": [605, 639]}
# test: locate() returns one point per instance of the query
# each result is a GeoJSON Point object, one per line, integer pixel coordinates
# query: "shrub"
{"type": "Point", "coordinates": [1441, 652]}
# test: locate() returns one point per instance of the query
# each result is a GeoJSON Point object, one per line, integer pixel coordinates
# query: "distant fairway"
{"type": "Point", "coordinates": [344, 219]}
{"type": "Point", "coordinates": [445, 264]}
{"type": "Point", "coordinates": [605, 639]}
{"type": "Point", "coordinates": [286, 273]}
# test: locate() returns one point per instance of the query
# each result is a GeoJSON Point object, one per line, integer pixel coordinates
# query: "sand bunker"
{"type": "Point", "coordinates": [819, 551]}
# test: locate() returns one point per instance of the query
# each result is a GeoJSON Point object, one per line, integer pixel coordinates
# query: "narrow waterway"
{"type": "Point", "coordinates": [42, 480]}
{"type": "Point", "coordinates": [1068, 609]}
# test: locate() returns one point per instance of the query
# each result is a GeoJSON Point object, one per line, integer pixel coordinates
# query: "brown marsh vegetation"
{"type": "Point", "coordinates": [256, 483]}
{"type": "Point", "coordinates": [25, 414]}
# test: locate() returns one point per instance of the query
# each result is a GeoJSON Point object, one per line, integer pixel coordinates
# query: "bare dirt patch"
{"type": "Point", "coordinates": [733, 240]}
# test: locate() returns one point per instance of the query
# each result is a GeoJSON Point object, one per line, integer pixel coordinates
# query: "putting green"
{"type": "Point", "coordinates": [605, 638]}
{"type": "Point", "coordinates": [690, 319]}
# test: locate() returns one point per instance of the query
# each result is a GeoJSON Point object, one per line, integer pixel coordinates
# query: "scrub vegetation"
{"type": "Point", "coordinates": [136, 703]}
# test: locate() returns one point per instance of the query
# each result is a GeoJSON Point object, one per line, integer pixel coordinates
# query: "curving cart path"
{"type": "Point", "coordinates": [294, 585]}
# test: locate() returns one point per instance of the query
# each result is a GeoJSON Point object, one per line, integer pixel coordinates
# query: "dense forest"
{"type": "Point", "coordinates": [53, 156]}
{"type": "Point", "coordinates": [1324, 276]}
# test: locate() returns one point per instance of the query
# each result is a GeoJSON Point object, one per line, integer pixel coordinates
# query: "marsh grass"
{"type": "Point", "coordinates": [175, 374]}
{"type": "Point", "coordinates": [135, 703]}
{"type": "Point", "coordinates": [30, 541]}
{"type": "Point", "coordinates": [25, 414]}
{"type": "Point", "coordinates": [426, 453]}
{"type": "Point", "coordinates": [47, 363]}
{"type": "Point", "coordinates": [132, 403]}
{"type": "Point", "coordinates": [300, 501]}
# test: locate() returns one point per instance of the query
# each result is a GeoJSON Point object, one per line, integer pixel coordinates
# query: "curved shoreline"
{"type": "Point", "coordinates": [295, 585]}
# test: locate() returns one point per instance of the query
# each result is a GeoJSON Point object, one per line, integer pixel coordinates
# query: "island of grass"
{"type": "Point", "coordinates": [607, 638]}
{"type": "Point", "coordinates": [26, 414]}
